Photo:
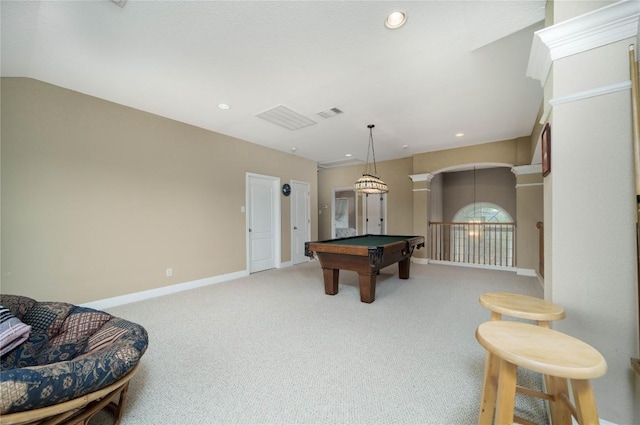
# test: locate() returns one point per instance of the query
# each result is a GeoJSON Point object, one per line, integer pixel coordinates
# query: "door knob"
{"type": "Point", "coordinates": [295, 228]}
{"type": "Point", "coordinates": [249, 230]}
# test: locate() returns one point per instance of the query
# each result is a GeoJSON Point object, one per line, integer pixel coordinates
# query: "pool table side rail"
{"type": "Point", "coordinates": [407, 242]}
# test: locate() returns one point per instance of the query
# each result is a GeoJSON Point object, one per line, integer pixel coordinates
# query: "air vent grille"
{"type": "Point", "coordinates": [285, 117]}
{"type": "Point", "coordinates": [331, 112]}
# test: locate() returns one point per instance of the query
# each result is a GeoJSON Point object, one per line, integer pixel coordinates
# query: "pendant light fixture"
{"type": "Point", "coordinates": [474, 192]}
{"type": "Point", "coordinates": [474, 229]}
{"type": "Point", "coordinates": [369, 182]}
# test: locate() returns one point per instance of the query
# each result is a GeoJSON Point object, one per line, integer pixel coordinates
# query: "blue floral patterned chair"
{"type": "Point", "coordinates": [75, 361]}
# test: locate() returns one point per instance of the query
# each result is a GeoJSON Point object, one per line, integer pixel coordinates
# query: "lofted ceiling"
{"type": "Point", "coordinates": [454, 67]}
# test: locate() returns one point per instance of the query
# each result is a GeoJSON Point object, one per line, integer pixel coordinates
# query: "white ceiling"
{"type": "Point", "coordinates": [456, 66]}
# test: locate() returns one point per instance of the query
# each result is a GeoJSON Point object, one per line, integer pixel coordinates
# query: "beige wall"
{"type": "Point", "coordinates": [529, 211]}
{"type": "Point", "coordinates": [399, 199]}
{"type": "Point", "coordinates": [495, 185]}
{"type": "Point", "coordinates": [99, 199]}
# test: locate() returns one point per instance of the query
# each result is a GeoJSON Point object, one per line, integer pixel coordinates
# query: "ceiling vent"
{"type": "Point", "coordinates": [285, 117]}
{"type": "Point", "coordinates": [330, 113]}
{"type": "Point", "coordinates": [340, 163]}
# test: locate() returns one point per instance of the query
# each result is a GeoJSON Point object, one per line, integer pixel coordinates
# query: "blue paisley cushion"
{"type": "Point", "coordinates": [71, 351]}
{"type": "Point", "coordinates": [12, 331]}
{"type": "Point", "coordinates": [18, 305]}
{"type": "Point", "coordinates": [26, 354]}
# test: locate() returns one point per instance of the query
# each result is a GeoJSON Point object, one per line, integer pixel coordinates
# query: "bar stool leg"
{"type": "Point", "coordinates": [548, 386]}
{"type": "Point", "coordinates": [505, 405]}
{"type": "Point", "coordinates": [489, 389]}
{"type": "Point", "coordinates": [559, 389]}
{"type": "Point", "coordinates": [585, 402]}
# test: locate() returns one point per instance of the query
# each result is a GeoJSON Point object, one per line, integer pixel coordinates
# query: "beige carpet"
{"type": "Point", "coordinates": [272, 348]}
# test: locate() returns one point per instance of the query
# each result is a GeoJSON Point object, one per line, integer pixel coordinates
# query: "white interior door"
{"type": "Point", "coordinates": [375, 211]}
{"type": "Point", "coordinates": [262, 221]}
{"type": "Point", "coordinates": [300, 220]}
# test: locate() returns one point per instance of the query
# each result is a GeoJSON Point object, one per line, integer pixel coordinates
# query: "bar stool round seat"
{"type": "Point", "coordinates": [555, 354]}
{"type": "Point", "coordinates": [521, 306]}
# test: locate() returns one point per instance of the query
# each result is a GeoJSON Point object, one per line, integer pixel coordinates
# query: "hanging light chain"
{"type": "Point", "coordinates": [373, 151]}
{"type": "Point", "coordinates": [370, 182]}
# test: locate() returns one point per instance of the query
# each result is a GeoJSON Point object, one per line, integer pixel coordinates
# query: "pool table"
{"type": "Point", "coordinates": [366, 255]}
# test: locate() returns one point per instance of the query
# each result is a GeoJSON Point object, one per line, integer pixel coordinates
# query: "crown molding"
{"type": "Point", "coordinates": [600, 27]}
{"type": "Point", "coordinates": [527, 169]}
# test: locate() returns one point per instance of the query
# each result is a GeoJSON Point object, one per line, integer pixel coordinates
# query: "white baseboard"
{"type": "Point", "coordinates": [526, 272]}
{"type": "Point", "coordinates": [521, 272]}
{"type": "Point", "coordinates": [285, 264]}
{"type": "Point", "coordinates": [602, 422]}
{"type": "Point", "coordinates": [472, 265]}
{"type": "Point", "coordinates": [165, 290]}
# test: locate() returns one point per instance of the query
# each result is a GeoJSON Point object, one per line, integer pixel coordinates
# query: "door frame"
{"type": "Point", "coordinates": [365, 213]}
{"type": "Point", "coordinates": [276, 214]}
{"type": "Point", "coordinates": [307, 212]}
{"type": "Point", "coordinates": [333, 207]}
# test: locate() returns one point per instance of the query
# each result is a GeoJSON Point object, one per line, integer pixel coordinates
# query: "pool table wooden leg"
{"type": "Point", "coordinates": [331, 281]}
{"type": "Point", "coordinates": [404, 266]}
{"type": "Point", "coordinates": [367, 287]}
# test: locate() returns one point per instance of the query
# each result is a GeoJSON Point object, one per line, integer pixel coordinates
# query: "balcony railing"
{"type": "Point", "coordinates": [482, 244]}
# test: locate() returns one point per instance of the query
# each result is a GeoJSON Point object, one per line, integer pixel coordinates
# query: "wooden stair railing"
{"type": "Point", "coordinates": [540, 226]}
{"type": "Point", "coordinates": [487, 244]}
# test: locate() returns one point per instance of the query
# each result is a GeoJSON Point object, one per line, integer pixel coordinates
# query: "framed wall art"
{"type": "Point", "coordinates": [546, 150]}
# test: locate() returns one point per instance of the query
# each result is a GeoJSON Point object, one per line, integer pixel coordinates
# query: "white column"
{"type": "Point", "coordinates": [590, 248]}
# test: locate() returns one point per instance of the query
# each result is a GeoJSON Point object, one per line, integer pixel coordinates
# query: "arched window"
{"type": "Point", "coordinates": [482, 212]}
{"type": "Point", "coordinates": [482, 233]}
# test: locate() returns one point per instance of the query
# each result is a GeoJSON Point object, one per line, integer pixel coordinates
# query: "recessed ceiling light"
{"type": "Point", "coordinates": [459, 134]}
{"type": "Point", "coordinates": [293, 149]}
{"type": "Point", "coordinates": [348, 155]}
{"type": "Point", "coordinates": [224, 106]}
{"type": "Point", "coordinates": [405, 146]}
{"type": "Point", "coordinates": [395, 20]}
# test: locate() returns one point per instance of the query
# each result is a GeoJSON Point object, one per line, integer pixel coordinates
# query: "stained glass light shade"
{"type": "Point", "coordinates": [370, 183]}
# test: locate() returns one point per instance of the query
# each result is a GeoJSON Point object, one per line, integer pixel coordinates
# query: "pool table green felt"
{"type": "Point", "coordinates": [366, 255]}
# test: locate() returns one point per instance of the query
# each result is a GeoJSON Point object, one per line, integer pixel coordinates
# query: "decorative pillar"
{"type": "Point", "coordinates": [589, 205]}
{"type": "Point", "coordinates": [421, 216]}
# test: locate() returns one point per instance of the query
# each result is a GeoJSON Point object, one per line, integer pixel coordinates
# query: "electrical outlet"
{"type": "Point", "coordinates": [169, 272]}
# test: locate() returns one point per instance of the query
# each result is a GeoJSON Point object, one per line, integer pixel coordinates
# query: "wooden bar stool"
{"type": "Point", "coordinates": [557, 355]}
{"type": "Point", "coordinates": [522, 307]}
